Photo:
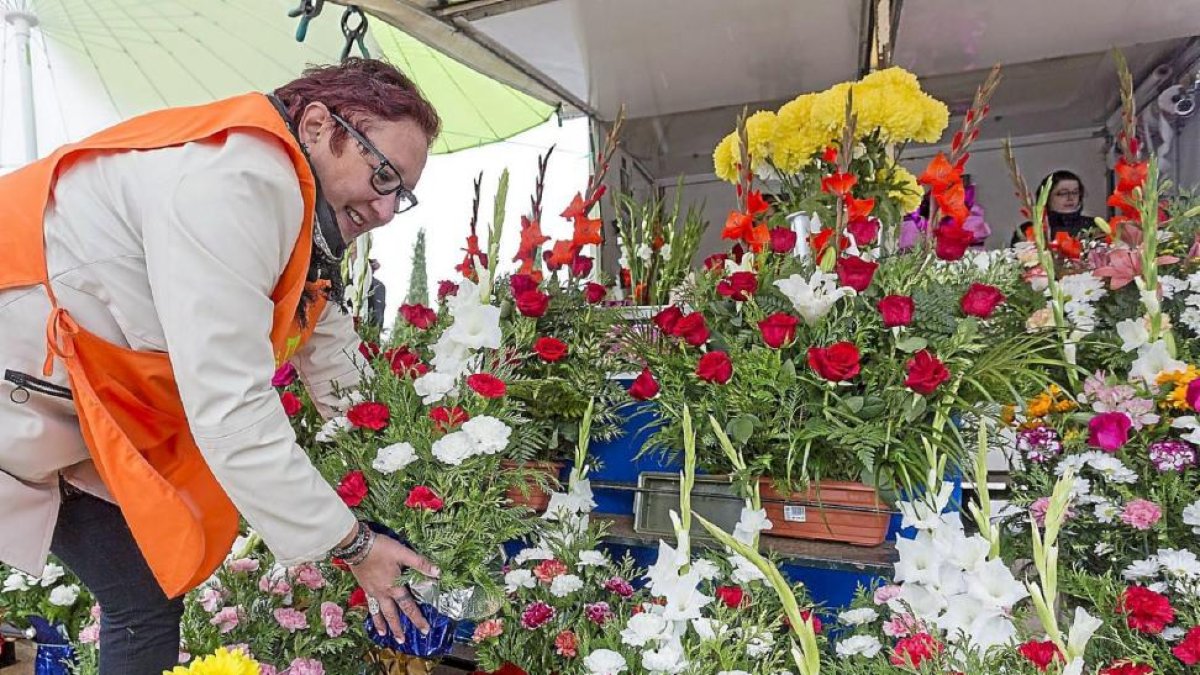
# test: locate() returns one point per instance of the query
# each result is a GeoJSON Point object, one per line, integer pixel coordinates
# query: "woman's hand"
{"type": "Point", "coordinates": [377, 575]}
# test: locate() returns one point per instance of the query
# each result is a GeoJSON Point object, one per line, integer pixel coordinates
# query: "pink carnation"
{"type": "Point", "coordinates": [309, 576]}
{"type": "Point", "coordinates": [278, 586]}
{"type": "Point", "coordinates": [902, 625]}
{"type": "Point", "coordinates": [267, 669]}
{"type": "Point", "coordinates": [1039, 508]}
{"type": "Point", "coordinates": [598, 613]}
{"type": "Point", "coordinates": [211, 599]}
{"type": "Point", "coordinates": [536, 614]}
{"type": "Point", "coordinates": [95, 612]}
{"type": "Point", "coordinates": [333, 618]}
{"type": "Point", "coordinates": [885, 594]}
{"type": "Point", "coordinates": [290, 619]}
{"type": "Point", "coordinates": [227, 619]}
{"type": "Point", "coordinates": [1141, 514]}
{"type": "Point", "coordinates": [619, 586]}
{"type": "Point", "coordinates": [488, 629]}
{"type": "Point", "coordinates": [90, 634]}
{"type": "Point", "coordinates": [305, 667]}
{"type": "Point", "coordinates": [243, 565]}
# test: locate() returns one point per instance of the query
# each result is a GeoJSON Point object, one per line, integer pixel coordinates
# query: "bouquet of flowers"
{"type": "Point", "coordinates": [52, 607]}
{"type": "Point", "coordinates": [657, 246]}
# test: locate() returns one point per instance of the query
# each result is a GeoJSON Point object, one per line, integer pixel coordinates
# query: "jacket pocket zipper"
{"type": "Point", "coordinates": [27, 383]}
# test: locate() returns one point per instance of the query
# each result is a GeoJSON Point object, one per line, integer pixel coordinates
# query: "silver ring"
{"type": "Point", "coordinates": [372, 606]}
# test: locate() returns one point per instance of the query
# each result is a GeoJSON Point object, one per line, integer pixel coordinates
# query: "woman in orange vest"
{"type": "Point", "coordinates": [152, 278]}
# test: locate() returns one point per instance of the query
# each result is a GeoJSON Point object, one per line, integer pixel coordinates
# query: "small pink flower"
{"type": "Point", "coordinates": [1039, 508]}
{"type": "Point", "coordinates": [242, 565]}
{"type": "Point", "coordinates": [598, 613]}
{"type": "Point", "coordinates": [488, 629]}
{"type": "Point", "coordinates": [902, 625]}
{"type": "Point", "coordinates": [211, 599]}
{"type": "Point", "coordinates": [305, 667]}
{"type": "Point", "coordinates": [278, 586]}
{"type": "Point", "coordinates": [267, 669]}
{"type": "Point", "coordinates": [619, 586]}
{"type": "Point", "coordinates": [1141, 514]}
{"type": "Point", "coordinates": [290, 620]}
{"type": "Point", "coordinates": [227, 619]}
{"type": "Point", "coordinates": [1109, 431]}
{"type": "Point", "coordinates": [95, 613]}
{"type": "Point", "coordinates": [536, 614]}
{"type": "Point", "coordinates": [184, 657]}
{"type": "Point", "coordinates": [241, 648]}
{"type": "Point", "coordinates": [885, 594]}
{"type": "Point", "coordinates": [90, 634]}
{"type": "Point", "coordinates": [309, 576]}
{"type": "Point", "coordinates": [333, 618]}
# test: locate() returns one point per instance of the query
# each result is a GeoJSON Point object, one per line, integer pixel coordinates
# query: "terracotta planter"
{"type": "Point", "coordinates": [815, 514]}
{"type": "Point", "coordinates": [537, 498]}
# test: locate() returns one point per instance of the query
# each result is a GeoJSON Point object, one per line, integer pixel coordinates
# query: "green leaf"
{"type": "Point", "coordinates": [854, 403]}
{"type": "Point", "coordinates": [873, 407]}
{"type": "Point", "coordinates": [912, 344]}
{"type": "Point", "coordinates": [915, 409]}
{"type": "Point", "coordinates": [742, 428]}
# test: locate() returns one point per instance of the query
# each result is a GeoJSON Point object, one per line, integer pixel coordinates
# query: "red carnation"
{"type": "Point", "coordinates": [715, 367]}
{"type": "Point", "coordinates": [692, 329]}
{"type": "Point", "coordinates": [925, 373]}
{"type": "Point", "coordinates": [738, 286]}
{"type": "Point", "coordinates": [445, 418]}
{"type": "Point", "coordinates": [836, 363]}
{"type": "Point", "coordinates": [1126, 667]}
{"type": "Point", "coordinates": [981, 300]}
{"type": "Point", "coordinates": [352, 488]}
{"type": "Point", "coordinates": [1145, 610]}
{"type": "Point", "coordinates": [566, 645]}
{"type": "Point", "coordinates": [715, 262]}
{"type": "Point", "coordinates": [1041, 654]}
{"type": "Point", "coordinates": [405, 362]}
{"type": "Point", "coordinates": [533, 303]}
{"type": "Point", "coordinates": [369, 350]}
{"type": "Point", "coordinates": [732, 596]}
{"type": "Point", "coordinates": [446, 289]}
{"type": "Point", "coordinates": [550, 349]}
{"type": "Point", "coordinates": [645, 387]}
{"type": "Point", "coordinates": [487, 385]}
{"type": "Point", "coordinates": [581, 266]}
{"type": "Point", "coordinates": [594, 292]}
{"type": "Point", "coordinates": [783, 240]}
{"type": "Point", "coordinates": [291, 403]}
{"type": "Point", "coordinates": [914, 650]}
{"type": "Point", "coordinates": [855, 272]}
{"type": "Point", "coordinates": [897, 310]}
{"type": "Point", "coordinates": [778, 329]}
{"type": "Point", "coordinates": [369, 415]}
{"type": "Point", "coordinates": [422, 497]}
{"type": "Point", "coordinates": [418, 315]}
{"type": "Point", "coordinates": [1188, 650]}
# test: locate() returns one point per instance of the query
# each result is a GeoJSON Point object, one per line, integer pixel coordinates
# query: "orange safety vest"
{"type": "Point", "coordinates": [127, 401]}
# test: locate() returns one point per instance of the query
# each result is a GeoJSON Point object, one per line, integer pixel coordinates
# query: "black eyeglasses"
{"type": "Point", "coordinates": [386, 179]}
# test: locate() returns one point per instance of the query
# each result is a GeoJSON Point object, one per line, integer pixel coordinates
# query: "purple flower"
{"type": "Point", "coordinates": [1171, 455]}
{"type": "Point", "coordinates": [598, 613]}
{"type": "Point", "coordinates": [1039, 444]}
{"type": "Point", "coordinates": [285, 375]}
{"type": "Point", "coordinates": [912, 229]}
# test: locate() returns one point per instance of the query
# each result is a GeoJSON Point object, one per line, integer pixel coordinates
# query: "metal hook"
{"type": "Point", "coordinates": [356, 34]}
{"type": "Point", "coordinates": [307, 11]}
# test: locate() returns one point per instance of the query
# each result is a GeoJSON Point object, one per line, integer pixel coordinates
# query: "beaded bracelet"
{"type": "Point", "coordinates": [355, 552]}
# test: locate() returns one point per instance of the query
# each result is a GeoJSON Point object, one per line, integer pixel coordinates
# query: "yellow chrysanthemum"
{"type": "Point", "coordinates": [221, 662]}
{"type": "Point", "coordinates": [760, 133]}
{"type": "Point", "coordinates": [1039, 406]}
{"type": "Point", "coordinates": [909, 195]}
{"type": "Point", "coordinates": [725, 159]}
{"type": "Point", "coordinates": [828, 112]}
{"type": "Point", "coordinates": [1177, 399]}
{"type": "Point", "coordinates": [935, 117]}
{"type": "Point", "coordinates": [796, 139]}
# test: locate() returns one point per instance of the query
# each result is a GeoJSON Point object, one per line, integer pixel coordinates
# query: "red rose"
{"type": "Point", "coordinates": [418, 315]}
{"type": "Point", "coordinates": [925, 373]}
{"type": "Point", "coordinates": [864, 230]}
{"type": "Point", "coordinates": [732, 596]}
{"type": "Point", "coordinates": [445, 289]}
{"type": "Point", "coordinates": [550, 349]}
{"type": "Point", "coordinates": [447, 418]}
{"type": "Point", "coordinates": [738, 286]}
{"type": "Point", "coordinates": [291, 403]}
{"type": "Point", "coordinates": [1188, 650]}
{"type": "Point", "coordinates": [369, 415]}
{"type": "Point", "coordinates": [487, 385]}
{"type": "Point", "coordinates": [1041, 654]}
{"type": "Point", "coordinates": [897, 310]}
{"type": "Point", "coordinates": [715, 367]}
{"type": "Point", "coordinates": [594, 292]}
{"type": "Point", "coordinates": [981, 300]}
{"type": "Point", "coordinates": [581, 266]}
{"type": "Point", "coordinates": [422, 497]}
{"type": "Point", "coordinates": [667, 318]}
{"type": "Point", "coordinates": [1125, 667]}
{"type": "Point", "coordinates": [855, 272]}
{"type": "Point", "coordinates": [521, 283]}
{"type": "Point", "coordinates": [715, 262]}
{"type": "Point", "coordinates": [369, 350]}
{"type": "Point", "coordinates": [645, 387]}
{"type": "Point", "coordinates": [913, 650]}
{"type": "Point", "coordinates": [836, 363]}
{"type": "Point", "coordinates": [358, 597]}
{"type": "Point", "coordinates": [952, 241]}
{"type": "Point", "coordinates": [1145, 610]}
{"type": "Point", "coordinates": [692, 329]}
{"type": "Point", "coordinates": [783, 240]}
{"type": "Point", "coordinates": [778, 329]}
{"type": "Point", "coordinates": [533, 303]}
{"type": "Point", "coordinates": [352, 488]}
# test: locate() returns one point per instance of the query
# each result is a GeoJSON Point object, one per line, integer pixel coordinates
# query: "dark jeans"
{"type": "Point", "coordinates": [139, 628]}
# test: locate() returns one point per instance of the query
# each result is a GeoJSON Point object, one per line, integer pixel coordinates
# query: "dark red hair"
{"type": "Point", "coordinates": [357, 89]}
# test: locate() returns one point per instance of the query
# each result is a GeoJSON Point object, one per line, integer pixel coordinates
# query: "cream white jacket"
{"type": "Point", "coordinates": [175, 250]}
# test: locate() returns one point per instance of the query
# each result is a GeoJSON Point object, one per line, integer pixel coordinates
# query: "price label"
{"type": "Point", "coordinates": [795, 514]}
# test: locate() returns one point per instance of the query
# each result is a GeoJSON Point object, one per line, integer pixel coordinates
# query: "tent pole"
{"type": "Point", "coordinates": [22, 23]}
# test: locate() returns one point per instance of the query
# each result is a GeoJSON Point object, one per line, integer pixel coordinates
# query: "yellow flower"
{"type": "Point", "coordinates": [1045, 403]}
{"type": "Point", "coordinates": [1178, 377]}
{"type": "Point", "coordinates": [1072, 436]}
{"type": "Point", "coordinates": [796, 137]}
{"type": "Point", "coordinates": [935, 117]}
{"type": "Point", "coordinates": [725, 159]}
{"type": "Point", "coordinates": [1039, 406]}
{"type": "Point", "coordinates": [1008, 414]}
{"type": "Point", "coordinates": [1177, 399]}
{"type": "Point", "coordinates": [222, 662]}
{"type": "Point", "coordinates": [908, 196]}
{"type": "Point", "coordinates": [760, 132]}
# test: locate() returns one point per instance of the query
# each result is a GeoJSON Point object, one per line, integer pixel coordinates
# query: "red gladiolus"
{"type": "Point", "coordinates": [925, 373]}
{"type": "Point", "coordinates": [369, 415]}
{"type": "Point", "coordinates": [550, 349]}
{"type": "Point", "coordinates": [533, 303]}
{"type": "Point", "coordinates": [1125, 667]}
{"type": "Point", "coordinates": [981, 300]}
{"type": "Point", "coordinates": [521, 283]}
{"type": "Point", "coordinates": [778, 329]}
{"type": "Point", "coordinates": [291, 403]}
{"type": "Point", "coordinates": [352, 488]}
{"type": "Point", "coordinates": [855, 272]}
{"type": "Point", "coordinates": [715, 367]}
{"type": "Point", "coordinates": [645, 387]}
{"type": "Point", "coordinates": [912, 651]}
{"type": "Point", "coordinates": [838, 183]}
{"type": "Point", "coordinates": [419, 315]}
{"type": "Point", "coordinates": [1109, 431]}
{"type": "Point", "coordinates": [1145, 611]}
{"type": "Point", "coordinates": [953, 240]}
{"type": "Point", "coordinates": [487, 385]}
{"type": "Point", "coordinates": [1188, 650]}
{"type": "Point", "coordinates": [896, 310]}
{"type": "Point", "coordinates": [829, 154]}
{"type": "Point", "coordinates": [445, 418]}
{"type": "Point", "coordinates": [738, 286]}
{"type": "Point", "coordinates": [692, 329]}
{"type": "Point", "coordinates": [732, 596]}
{"type": "Point", "coordinates": [422, 497]}
{"type": "Point", "coordinates": [594, 292]}
{"type": "Point", "coordinates": [1041, 654]}
{"type": "Point", "coordinates": [836, 363]}
{"type": "Point", "coordinates": [667, 318]}
{"type": "Point", "coordinates": [859, 209]}
{"type": "Point", "coordinates": [815, 620]}
{"type": "Point", "coordinates": [783, 240]}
